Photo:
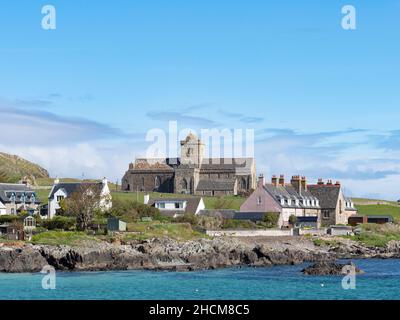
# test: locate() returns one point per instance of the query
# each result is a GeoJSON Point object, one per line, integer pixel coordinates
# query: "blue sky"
{"type": "Point", "coordinates": [323, 101]}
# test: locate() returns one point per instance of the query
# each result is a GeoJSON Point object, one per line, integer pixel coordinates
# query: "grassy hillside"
{"type": "Point", "coordinates": [14, 168]}
{"type": "Point", "coordinates": [380, 209]}
{"type": "Point", "coordinates": [227, 202]}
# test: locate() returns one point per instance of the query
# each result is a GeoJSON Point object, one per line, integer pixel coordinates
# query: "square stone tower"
{"type": "Point", "coordinates": [192, 150]}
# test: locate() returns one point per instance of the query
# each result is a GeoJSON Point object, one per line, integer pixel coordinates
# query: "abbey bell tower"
{"type": "Point", "coordinates": [192, 150]}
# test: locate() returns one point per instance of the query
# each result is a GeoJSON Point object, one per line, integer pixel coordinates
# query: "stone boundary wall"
{"type": "Point", "coordinates": [251, 233]}
{"type": "Point", "coordinates": [318, 232]}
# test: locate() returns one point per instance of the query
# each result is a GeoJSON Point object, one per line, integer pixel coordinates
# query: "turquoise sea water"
{"type": "Point", "coordinates": [381, 281]}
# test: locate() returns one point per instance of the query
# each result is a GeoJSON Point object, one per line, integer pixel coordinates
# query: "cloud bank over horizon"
{"type": "Point", "coordinates": [367, 162]}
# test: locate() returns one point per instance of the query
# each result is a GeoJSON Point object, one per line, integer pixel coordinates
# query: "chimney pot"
{"type": "Point", "coordinates": [261, 181]}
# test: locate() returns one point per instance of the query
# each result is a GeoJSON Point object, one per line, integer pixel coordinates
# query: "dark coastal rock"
{"type": "Point", "coordinates": [24, 259]}
{"type": "Point", "coordinates": [329, 268]}
{"type": "Point", "coordinates": [168, 254]}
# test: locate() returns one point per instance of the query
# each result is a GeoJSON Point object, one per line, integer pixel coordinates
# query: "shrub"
{"type": "Point", "coordinates": [8, 218]}
{"type": "Point", "coordinates": [212, 223]}
{"type": "Point", "coordinates": [130, 210]}
{"type": "Point", "coordinates": [292, 219]}
{"type": "Point", "coordinates": [238, 224]}
{"type": "Point", "coordinates": [271, 219]}
{"type": "Point", "coordinates": [188, 218]}
{"type": "Point", "coordinates": [59, 222]}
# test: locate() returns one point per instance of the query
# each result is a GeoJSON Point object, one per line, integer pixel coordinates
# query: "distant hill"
{"type": "Point", "coordinates": [14, 169]}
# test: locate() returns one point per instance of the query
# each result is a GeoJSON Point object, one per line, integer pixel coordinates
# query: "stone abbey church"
{"type": "Point", "coordinates": [191, 173]}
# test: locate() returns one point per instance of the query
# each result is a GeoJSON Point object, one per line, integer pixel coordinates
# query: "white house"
{"type": "Point", "coordinates": [3, 209]}
{"type": "Point", "coordinates": [62, 191]}
{"type": "Point", "coordinates": [175, 207]}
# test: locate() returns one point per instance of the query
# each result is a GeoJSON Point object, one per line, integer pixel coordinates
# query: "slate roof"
{"type": "Point", "coordinates": [328, 195]}
{"type": "Point", "coordinates": [226, 163]}
{"type": "Point", "coordinates": [71, 187]}
{"type": "Point", "coordinates": [233, 214]}
{"type": "Point", "coordinates": [7, 190]}
{"type": "Point", "coordinates": [152, 164]}
{"type": "Point", "coordinates": [192, 204]}
{"type": "Point", "coordinates": [289, 192]}
{"type": "Point", "coordinates": [217, 185]}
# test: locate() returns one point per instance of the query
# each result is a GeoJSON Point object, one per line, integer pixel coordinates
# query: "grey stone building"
{"type": "Point", "coordinates": [191, 173]}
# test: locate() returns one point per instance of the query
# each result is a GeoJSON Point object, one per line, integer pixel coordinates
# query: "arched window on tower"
{"type": "Point", "coordinates": [243, 184]}
{"type": "Point", "coordinates": [157, 182]}
{"type": "Point", "coordinates": [184, 185]}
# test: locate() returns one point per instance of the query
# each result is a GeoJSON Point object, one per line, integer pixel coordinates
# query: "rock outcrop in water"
{"type": "Point", "coordinates": [167, 254]}
{"type": "Point", "coordinates": [155, 254]}
{"type": "Point", "coordinates": [330, 268]}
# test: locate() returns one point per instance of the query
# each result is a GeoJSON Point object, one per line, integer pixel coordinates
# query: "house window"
{"type": "Point", "coordinates": [59, 198]}
{"type": "Point", "coordinates": [178, 205]}
{"type": "Point", "coordinates": [12, 211]}
{"type": "Point", "coordinates": [259, 201]}
{"type": "Point", "coordinates": [12, 198]}
{"type": "Point", "coordinates": [161, 205]}
{"type": "Point", "coordinates": [142, 181]}
{"type": "Point", "coordinates": [326, 214]}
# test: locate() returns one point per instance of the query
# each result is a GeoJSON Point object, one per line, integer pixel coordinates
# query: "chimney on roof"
{"type": "Point", "coordinates": [329, 183]}
{"type": "Point", "coordinates": [304, 183]}
{"type": "Point", "coordinates": [56, 181]}
{"type": "Point", "coordinates": [282, 180]}
{"type": "Point", "coordinates": [146, 199]}
{"type": "Point", "coordinates": [274, 180]}
{"type": "Point", "coordinates": [337, 183]}
{"type": "Point", "coordinates": [261, 181]}
{"type": "Point", "coordinates": [320, 182]}
{"type": "Point", "coordinates": [296, 183]}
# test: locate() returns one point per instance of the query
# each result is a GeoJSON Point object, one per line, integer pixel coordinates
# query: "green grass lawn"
{"type": "Point", "coordinates": [231, 202]}
{"type": "Point", "coordinates": [363, 201]}
{"type": "Point", "coordinates": [380, 209]}
{"type": "Point", "coordinates": [68, 238]}
{"type": "Point", "coordinates": [377, 235]}
{"type": "Point", "coordinates": [152, 229]}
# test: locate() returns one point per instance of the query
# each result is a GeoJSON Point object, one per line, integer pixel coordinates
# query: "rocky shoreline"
{"type": "Point", "coordinates": [168, 254]}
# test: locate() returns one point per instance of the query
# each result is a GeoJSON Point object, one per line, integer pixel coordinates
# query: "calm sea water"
{"type": "Point", "coordinates": [381, 281]}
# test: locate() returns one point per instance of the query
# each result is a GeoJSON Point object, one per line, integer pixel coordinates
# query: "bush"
{"type": "Point", "coordinates": [211, 223]}
{"type": "Point", "coordinates": [188, 218]}
{"type": "Point", "coordinates": [292, 219]}
{"type": "Point", "coordinates": [238, 224]}
{"type": "Point", "coordinates": [8, 218]}
{"type": "Point", "coordinates": [129, 210]}
{"type": "Point", "coordinates": [271, 219]}
{"type": "Point", "coordinates": [60, 223]}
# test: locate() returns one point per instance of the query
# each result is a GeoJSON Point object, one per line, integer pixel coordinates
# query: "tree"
{"type": "Point", "coordinates": [271, 219]}
{"type": "Point", "coordinates": [292, 219]}
{"type": "Point", "coordinates": [83, 203]}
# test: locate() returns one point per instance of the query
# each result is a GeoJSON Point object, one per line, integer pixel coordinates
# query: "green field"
{"type": "Point", "coordinates": [156, 229]}
{"type": "Point", "coordinates": [68, 238]}
{"type": "Point", "coordinates": [228, 202]}
{"type": "Point", "coordinates": [380, 209]}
